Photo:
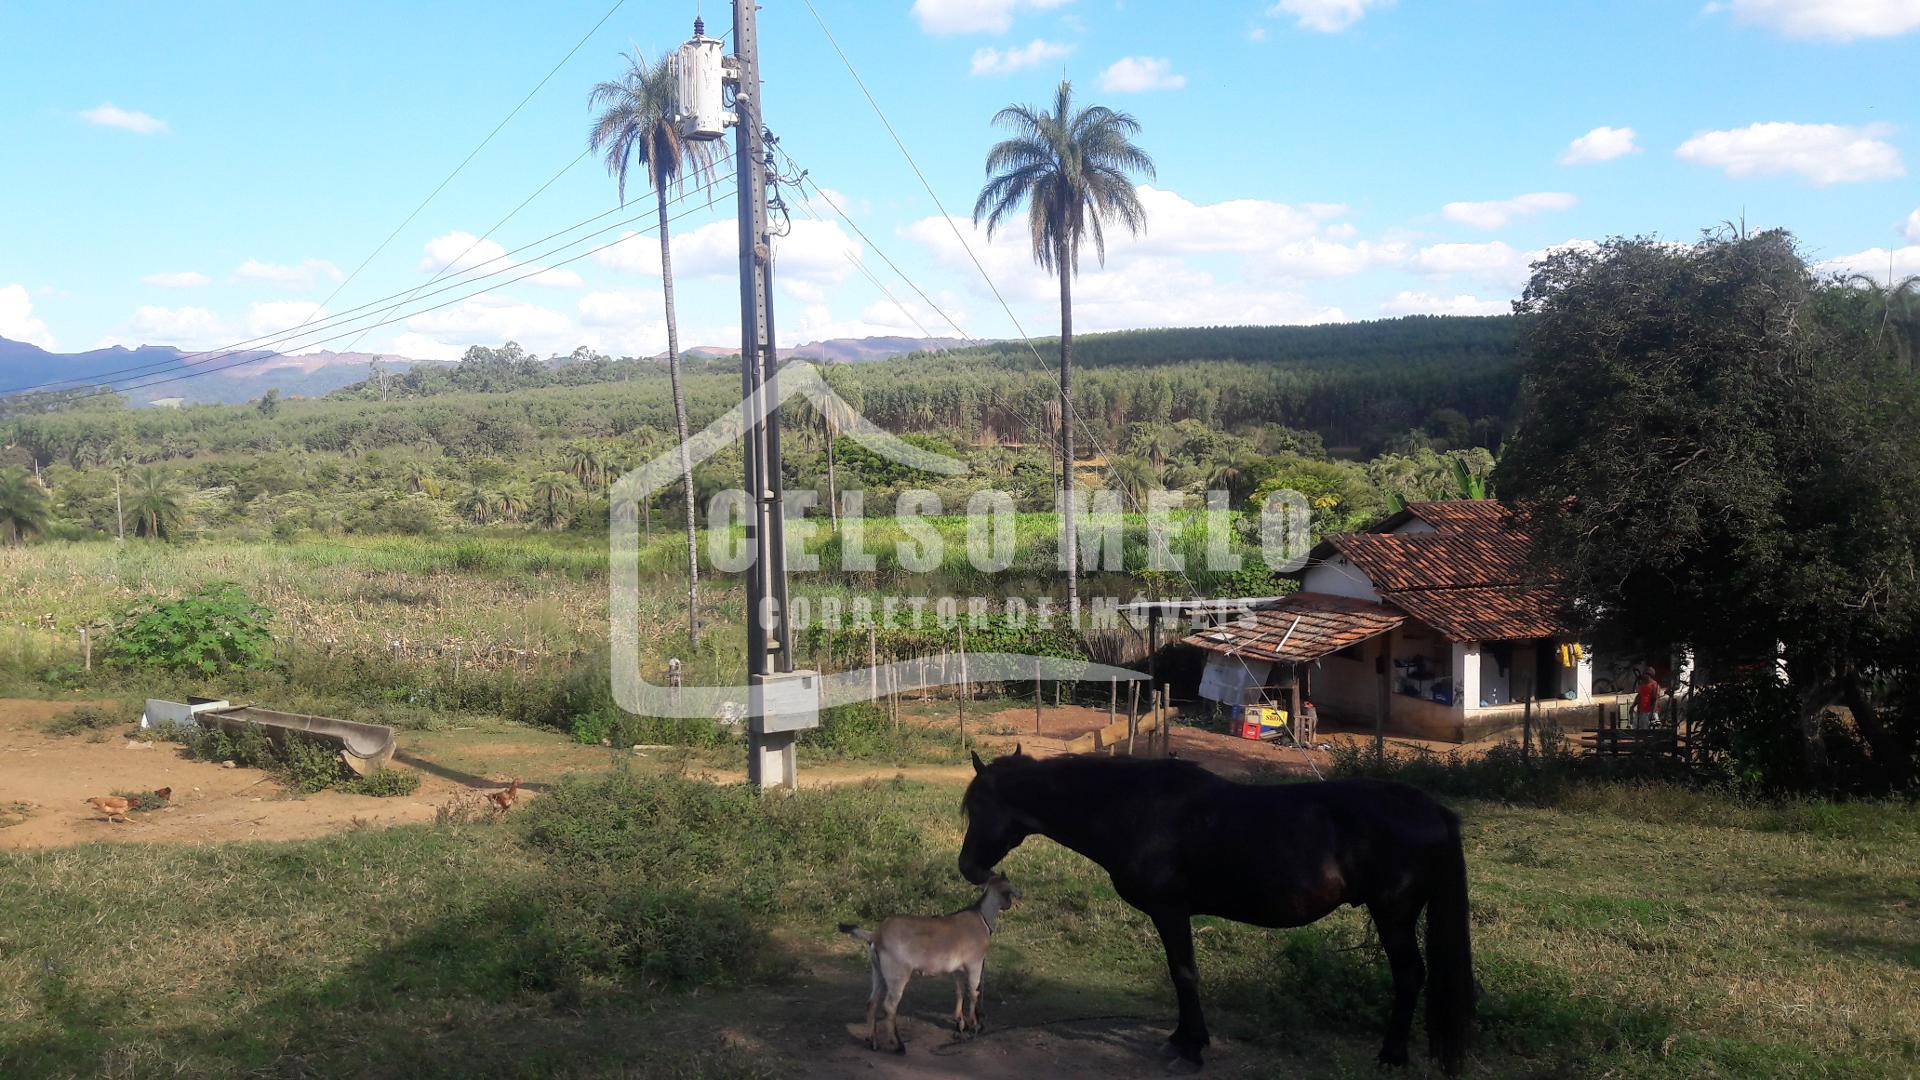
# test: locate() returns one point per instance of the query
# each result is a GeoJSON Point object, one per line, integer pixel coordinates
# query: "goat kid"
{"type": "Point", "coordinates": [908, 945]}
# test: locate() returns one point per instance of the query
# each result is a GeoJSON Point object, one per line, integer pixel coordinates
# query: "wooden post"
{"type": "Point", "coordinates": [893, 697]}
{"type": "Point", "coordinates": [1036, 695]}
{"type": "Point", "coordinates": [1301, 736]}
{"type": "Point", "coordinates": [964, 688]}
{"type": "Point", "coordinates": [1133, 715]}
{"type": "Point", "coordinates": [1166, 721]}
{"type": "Point", "coordinates": [1113, 700]}
{"type": "Point", "coordinates": [873, 662]}
{"type": "Point", "coordinates": [1526, 729]}
{"type": "Point", "coordinates": [86, 648]}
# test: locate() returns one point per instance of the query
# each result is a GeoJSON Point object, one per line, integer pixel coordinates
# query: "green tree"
{"type": "Point", "coordinates": [554, 494]}
{"type": "Point", "coordinates": [1072, 169]}
{"type": "Point", "coordinates": [24, 507]}
{"type": "Point", "coordinates": [1719, 452]}
{"type": "Point", "coordinates": [269, 403]}
{"type": "Point", "coordinates": [637, 125]}
{"type": "Point", "coordinates": [154, 503]}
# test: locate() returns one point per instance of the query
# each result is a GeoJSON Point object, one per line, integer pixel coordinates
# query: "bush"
{"type": "Point", "coordinates": [211, 630]}
{"type": "Point", "coordinates": [304, 764]}
{"type": "Point", "coordinates": [385, 784]}
{"type": "Point", "coordinates": [87, 718]}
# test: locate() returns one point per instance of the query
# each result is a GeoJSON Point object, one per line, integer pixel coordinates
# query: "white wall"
{"type": "Point", "coordinates": [1338, 577]}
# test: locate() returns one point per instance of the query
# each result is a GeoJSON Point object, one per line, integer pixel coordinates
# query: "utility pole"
{"type": "Point", "coordinates": [784, 701]}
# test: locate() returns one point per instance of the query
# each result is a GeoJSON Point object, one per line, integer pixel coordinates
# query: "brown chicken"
{"type": "Point", "coordinates": [503, 800]}
{"type": "Point", "coordinates": [113, 806]}
{"type": "Point", "coordinates": [165, 794]}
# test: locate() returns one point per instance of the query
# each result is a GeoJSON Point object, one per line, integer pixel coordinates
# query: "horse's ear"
{"type": "Point", "coordinates": [1016, 749]}
{"type": "Point", "coordinates": [978, 765]}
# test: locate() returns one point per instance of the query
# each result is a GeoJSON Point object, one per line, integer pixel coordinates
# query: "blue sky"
{"type": "Point", "coordinates": [199, 173]}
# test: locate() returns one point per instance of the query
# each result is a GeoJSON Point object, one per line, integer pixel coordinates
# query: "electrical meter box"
{"type": "Point", "coordinates": [785, 701]}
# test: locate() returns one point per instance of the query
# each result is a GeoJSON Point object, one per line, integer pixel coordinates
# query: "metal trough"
{"type": "Point", "coordinates": [366, 748]}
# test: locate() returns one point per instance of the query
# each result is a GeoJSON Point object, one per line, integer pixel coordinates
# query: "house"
{"type": "Point", "coordinates": [1432, 623]}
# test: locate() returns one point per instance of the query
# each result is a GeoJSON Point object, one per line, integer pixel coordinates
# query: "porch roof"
{"type": "Point", "coordinates": [1299, 628]}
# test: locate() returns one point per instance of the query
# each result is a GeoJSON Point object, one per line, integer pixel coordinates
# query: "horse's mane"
{"type": "Point", "coordinates": [1069, 769]}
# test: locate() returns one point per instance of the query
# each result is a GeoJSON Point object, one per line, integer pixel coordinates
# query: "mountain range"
{"type": "Point", "coordinates": [164, 375]}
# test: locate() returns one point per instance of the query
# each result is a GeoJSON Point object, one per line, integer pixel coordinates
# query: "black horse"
{"type": "Point", "coordinates": [1179, 841]}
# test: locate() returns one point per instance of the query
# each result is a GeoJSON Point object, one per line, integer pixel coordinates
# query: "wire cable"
{"type": "Point", "coordinates": [267, 341]}
{"type": "Point", "coordinates": [210, 370]}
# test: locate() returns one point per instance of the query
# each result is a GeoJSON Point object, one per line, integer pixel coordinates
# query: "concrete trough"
{"type": "Point", "coordinates": [366, 748]}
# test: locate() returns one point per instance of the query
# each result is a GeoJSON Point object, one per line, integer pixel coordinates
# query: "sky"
{"type": "Point", "coordinates": [199, 174]}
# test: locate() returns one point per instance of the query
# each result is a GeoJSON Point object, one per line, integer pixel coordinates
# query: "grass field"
{"type": "Point", "coordinates": [648, 925]}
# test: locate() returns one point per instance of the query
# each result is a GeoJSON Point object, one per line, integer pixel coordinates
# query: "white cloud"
{"type": "Point", "coordinates": [184, 328]}
{"type": "Point", "coordinates": [177, 279]}
{"type": "Point", "coordinates": [421, 347]}
{"type": "Point", "coordinates": [1496, 214]}
{"type": "Point", "coordinates": [494, 320]}
{"type": "Point", "coordinates": [17, 320]}
{"type": "Point", "coordinates": [277, 317]}
{"type": "Point", "coordinates": [1912, 229]}
{"type": "Point", "coordinates": [974, 16]}
{"type": "Point", "coordinates": [1837, 20]}
{"type": "Point", "coordinates": [459, 252]}
{"type": "Point", "coordinates": [1493, 261]}
{"type": "Point", "coordinates": [1419, 303]}
{"type": "Point", "coordinates": [1326, 16]}
{"type": "Point", "coordinates": [302, 275]}
{"type": "Point", "coordinates": [992, 61]}
{"type": "Point", "coordinates": [1600, 144]}
{"type": "Point", "coordinates": [107, 114]}
{"type": "Point", "coordinates": [558, 278]}
{"type": "Point", "coordinates": [1822, 153]}
{"type": "Point", "coordinates": [1877, 263]}
{"type": "Point", "coordinates": [1137, 74]}
{"type": "Point", "coordinates": [1319, 258]}
{"type": "Point", "coordinates": [1175, 224]}
{"type": "Point", "coordinates": [634, 252]}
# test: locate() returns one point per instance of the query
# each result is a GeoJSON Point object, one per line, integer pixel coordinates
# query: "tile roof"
{"type": "Point", "coordinates": [1469, 578]}
{"type": "Point", "coordinates": [1301, 627]}
{"type": "Point", "coordinates": [1485, 613]}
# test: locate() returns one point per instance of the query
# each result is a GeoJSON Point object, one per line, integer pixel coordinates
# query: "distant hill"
{"type": "Point", "coordinates": [153, 373]}
{"type": "Point", "coordinates": [844, 350]}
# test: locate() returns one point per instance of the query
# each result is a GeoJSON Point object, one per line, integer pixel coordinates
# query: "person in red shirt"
{"type": "Point", "coordinates": [1646, 701]}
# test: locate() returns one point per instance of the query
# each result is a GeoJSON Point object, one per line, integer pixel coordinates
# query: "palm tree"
{"type": "Point", "coordinates": [478, 505]}
{"type": "Point", "coordinates": [1135, 476]}
{"type": "Point", "coordinates": [1897, 303]}
{"type": "Point", "coordinates": [1071, 169]}
{"type": "Point", "coordinates": [512, 502]}
{"type": "Point", "coordinates": [24, 511]}
{"type": "Point", "coordinates": [553, 495]}
{"type": "Point", "coordinates": [155, 505]}
{"type": "Point", "coordinates": [586, 464]}
{"type": "Point", "coordinates": [636, 124]}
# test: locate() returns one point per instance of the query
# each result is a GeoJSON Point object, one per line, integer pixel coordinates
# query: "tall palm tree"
{"type": "Point", "coordinates": [478, 505]}
{"type": "Point", "coordinates": [553, 495]}
{"type": "Point", "coordinates": [636, 125]}
{"type": "Point", "coordinates": [155, 504]}
{"type": "Point", "coordinates": [586, 464]}
{"type": "Point", "coordinates": [1072, 171]}
{"type": "Point", "coordinates": [24, 510]}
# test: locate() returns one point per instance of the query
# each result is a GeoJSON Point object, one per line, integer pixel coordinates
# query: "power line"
{"type": "Point", "coordinates": [269, 341]}
{"type": "Point", "coordinates": [344, 333]}
{"type": "Point", "coordinates": [478, 240]}
{"type": "Point", "coordinates": [475, 152]}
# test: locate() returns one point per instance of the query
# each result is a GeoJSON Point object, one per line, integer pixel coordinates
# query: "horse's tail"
{"type": "Point", "coordinates": [853, 931]}
{"type": "Point", "coordinates": [1450, 984]}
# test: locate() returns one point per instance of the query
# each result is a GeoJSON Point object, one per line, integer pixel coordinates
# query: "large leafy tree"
{"type": "Point", "coordinates": [24, 509]}
{"type": "Point", "coordinates": [1718, 451]}
{"type": "Point", "coordinates": [1073, 170]}
{"type": "Point", "coordinates": [637, 127]}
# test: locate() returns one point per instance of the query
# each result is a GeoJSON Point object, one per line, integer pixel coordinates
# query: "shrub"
{"type": "Point", "coordinates": [86, 718]}
{"type": "Point", "coordinates": [384, 784]}
{"type": "Point", "coordinates": [213, 629]}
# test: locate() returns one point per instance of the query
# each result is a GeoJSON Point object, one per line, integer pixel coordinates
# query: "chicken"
{"type": "Point", "coordinates": [113, 806]}
{"type": "Point", "coordinates": [503, 800]}
{"type": "Point", "coordinates": [165, 794]}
